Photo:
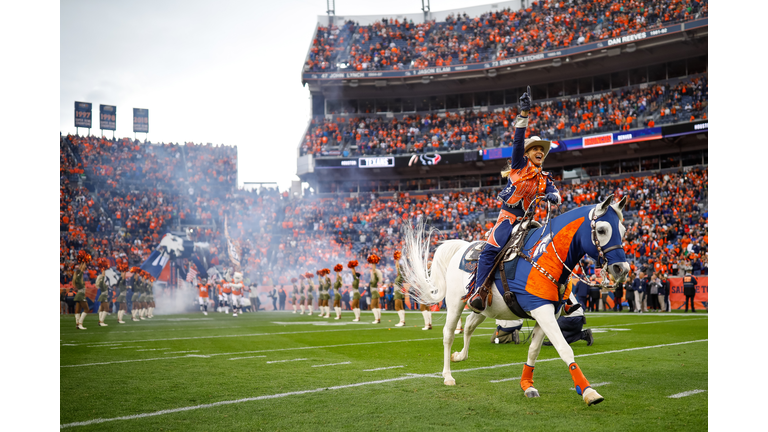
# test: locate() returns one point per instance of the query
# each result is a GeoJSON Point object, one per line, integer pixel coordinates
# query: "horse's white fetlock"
{"type": "Point", "coordinates": [531, 392]}
{"type": "Point", "coordinates": [457, 357]}
{"type": "Point", "coordinates": [448, 380]}
{"type": "Point", "coordinates": [592, 397]}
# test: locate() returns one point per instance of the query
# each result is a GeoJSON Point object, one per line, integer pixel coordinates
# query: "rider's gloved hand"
{"type": "Point", "coordinates": [525, 100]}
{"type": "Point", "coordinates": [552, 198]}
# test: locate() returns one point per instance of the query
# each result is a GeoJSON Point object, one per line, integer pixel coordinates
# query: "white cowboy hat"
{"type": "Point", "coordinates": [534, 141]}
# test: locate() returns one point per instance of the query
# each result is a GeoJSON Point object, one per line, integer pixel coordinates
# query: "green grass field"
{"type": "Point", "coordinates": [278, 371]}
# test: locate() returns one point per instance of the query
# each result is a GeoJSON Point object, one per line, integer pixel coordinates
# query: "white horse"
{"type": "Point", "coordinates": [594, 230]}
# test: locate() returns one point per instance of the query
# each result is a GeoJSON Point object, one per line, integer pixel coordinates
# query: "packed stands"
{"type": "Point", "coordinates": [392, 44]}
{"type": "Point", "coordinates": [125, 215]}
{"type": "Point", "coordinates": [645, 105]}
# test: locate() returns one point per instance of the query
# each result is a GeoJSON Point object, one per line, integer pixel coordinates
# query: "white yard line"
{"type": "Point", "coordinates": [383, 368]}
{"type": "Point", "coordinates": [123, 347]}
{"type": "Point", "coordinates": [249, 357]}
{"type": "Point", "coordinates": [234, 336]}
{"type": "Point", "coordinates": [505, 379]}
{"type": "Point", "coordinates": [275, 350]}
{"type": "Point", "coordinates": [684, 394]}
{"type": "Point", "coordinates": [332, 364]}
{"type": "Point", "coordinates": [153, 349]}
{"type": "Point", "coordinates": [283, 361]}
{"type": "Point", "coordinates": [367, 383]}
{"type": "Point", "coordinates": [181, 352]}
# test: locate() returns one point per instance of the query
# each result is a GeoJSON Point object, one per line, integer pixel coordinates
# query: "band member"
{"type": "Point", "coordinates": [122, 290]}
{"type": "Point", "coordinates": [150, 295]}
{"type": "Point", "coordinates": [399, 291]}
{"type": "Point", "coordinates": [294, 295]}
{"type": "Point", "coordinates": [302, 293]}
{"type": "Point", "coordinates": [202, 295]}
{"type": "Point", "coordinates": [337, 291]}
{"type": "Point", "coordinates": [310, 289]}
{"type": "Point", "coordinates": [525, 181]}
{"type": "Point", "coordinates": [136, 286]}
{"type": "Point", "coordinates": [81, 304]}
{"type": "Point", "coordinates": [101, 284]}
{"type": "Point", "coordinates": [374, 286]}
{"type": "Point", "coordinates": [355, 289]}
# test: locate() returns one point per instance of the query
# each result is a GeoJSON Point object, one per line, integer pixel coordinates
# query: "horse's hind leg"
{"type": "Point", "coordinates": [545, 317]}
{"type": "Point", "coordinates": [473, 320]}
{"type": "Point", "coordinates": [451, 318]}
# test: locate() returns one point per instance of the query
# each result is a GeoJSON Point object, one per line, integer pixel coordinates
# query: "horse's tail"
{"type": "Point", "coordinates": [427, 285]}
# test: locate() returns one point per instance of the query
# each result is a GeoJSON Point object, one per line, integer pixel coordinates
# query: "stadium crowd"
{"type": "Point", "coordinates": [393, 44]}
{"type": "Point", "coordinates": [556, 119]}
{"type": "Point", "coordinates": [125, 216]}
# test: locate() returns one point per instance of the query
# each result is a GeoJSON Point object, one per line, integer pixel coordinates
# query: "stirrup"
{"type": "Point", "coordinates": [476, 303]}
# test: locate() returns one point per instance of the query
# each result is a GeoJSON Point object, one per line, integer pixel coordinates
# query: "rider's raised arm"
{"type": "Point", "coordinates": [521, 124]}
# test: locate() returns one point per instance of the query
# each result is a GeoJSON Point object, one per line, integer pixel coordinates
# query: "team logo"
{"type": "Point", "coordinates": [425, 159]}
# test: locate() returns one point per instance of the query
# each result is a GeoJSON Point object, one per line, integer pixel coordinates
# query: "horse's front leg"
{"type": "Point", "coordinates": [545, 317]}
{"type": "Point", "coordinates": [473, 320]}
{"type": "Point", "coordinates": [526, 380]}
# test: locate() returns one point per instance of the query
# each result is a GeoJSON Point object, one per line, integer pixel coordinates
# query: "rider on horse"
{"type": "Point", "coordinates": [525, 181]}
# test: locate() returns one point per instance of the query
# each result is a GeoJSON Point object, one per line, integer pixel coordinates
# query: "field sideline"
{"type": "Point", "coordinates": [284, 371]}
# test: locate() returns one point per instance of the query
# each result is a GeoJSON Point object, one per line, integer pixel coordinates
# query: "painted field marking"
{"type": "Point", "coordinates": [593, 385]}
{"type": "Point", "coordinates": [242, 358]}
{"type": "Point", "coordinates": [505, 379]}
{"type": "Point", "coordinates": [71, 344]}
{"type": "Point", "coordinates": [102, 346]}
{"type": "Point", "coordinates": [273, 350]}
{"type": "Point", "coordinates": [153, 349]}
{"type": "Point", "coordinates": [197, 355]}
{"type": "Point", "coordinates": [123, 347]}
{"type": "Point", "coordinates": [237, 336]}
{"type": "Point", "coordinates": [684, 394]}
{"type": "Point", "coordinates": [332, 364]}
{"type": "Point", "coordinates": [303, 392]}
{"type": "Point", "coordinates": [384, 368]}
{"type": "Point", "coordinates": [283, 361]}
{"type": "Point", "coordinates": [181, 352]}
{"type": "Point", "coordinates": [656, 322]}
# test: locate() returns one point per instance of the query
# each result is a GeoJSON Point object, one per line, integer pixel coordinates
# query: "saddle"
{"type": "Point", "coordinates": [505, 264]}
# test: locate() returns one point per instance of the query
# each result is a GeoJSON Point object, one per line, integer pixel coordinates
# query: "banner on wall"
{"type": "Point", "coordinates": [677, 298]}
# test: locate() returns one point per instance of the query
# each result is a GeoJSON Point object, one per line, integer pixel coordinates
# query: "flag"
{"type": "Point", "coordinates": [233, 247]}
{"type": "Point", "coordinates": [191, 274]}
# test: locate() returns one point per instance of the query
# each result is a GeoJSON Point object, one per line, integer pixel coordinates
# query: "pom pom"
{"type": "Point", "coordinates": [135, 269]}
{"type": "Point", "coordinates": [353, 264]}
{"type": "Point", "coordinates": [321, 273]}
{"type": "Point", "coordinates": [301, 276]}
{"type": "Point", "coordinates": [102, 264]}
{"type": "Point", "coordinates": [338, 267]}
{"type": "Point", "coordinates": [398, 255]}
{"type": "Point", "coordinates": [122, 266]}
{"type": "Point", "coordinates": [326, 271]}
{"type": "Point", "coordinates": [309, 275]}
{"type": "Point", "coordinates": [294, 280]}
{"type": "Point", "coordinates": [83, 257]}
{"type": "Point", "coordinates": [373, 259]}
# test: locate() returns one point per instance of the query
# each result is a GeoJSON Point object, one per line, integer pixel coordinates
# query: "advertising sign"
{"type": "Point", "coordinates": [107, 117]}
{"type": "Point", "coordinates": [83, 114]}
{"type": "Point", "coordinates": [701, 126]}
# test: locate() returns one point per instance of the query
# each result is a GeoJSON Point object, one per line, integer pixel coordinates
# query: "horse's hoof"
{"type": "Point", "coordinates": [531, 393]}
{"type": "Point", "coordinates": [450, 382]}
{"type": "Point", "coordinates": [592, 397]}
{"type": "Point", "coordinates": [456, 357]}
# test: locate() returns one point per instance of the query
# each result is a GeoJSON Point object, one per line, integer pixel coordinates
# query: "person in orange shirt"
{"type": "Point", "coordinates": [202, 295]}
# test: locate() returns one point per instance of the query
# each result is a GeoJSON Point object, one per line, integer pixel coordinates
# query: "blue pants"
{"type": "Point", "coordinates": [496, 241]}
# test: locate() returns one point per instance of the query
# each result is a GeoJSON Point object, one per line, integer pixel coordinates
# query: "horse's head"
{"type": "Point", "coordinates": [606, 238]}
